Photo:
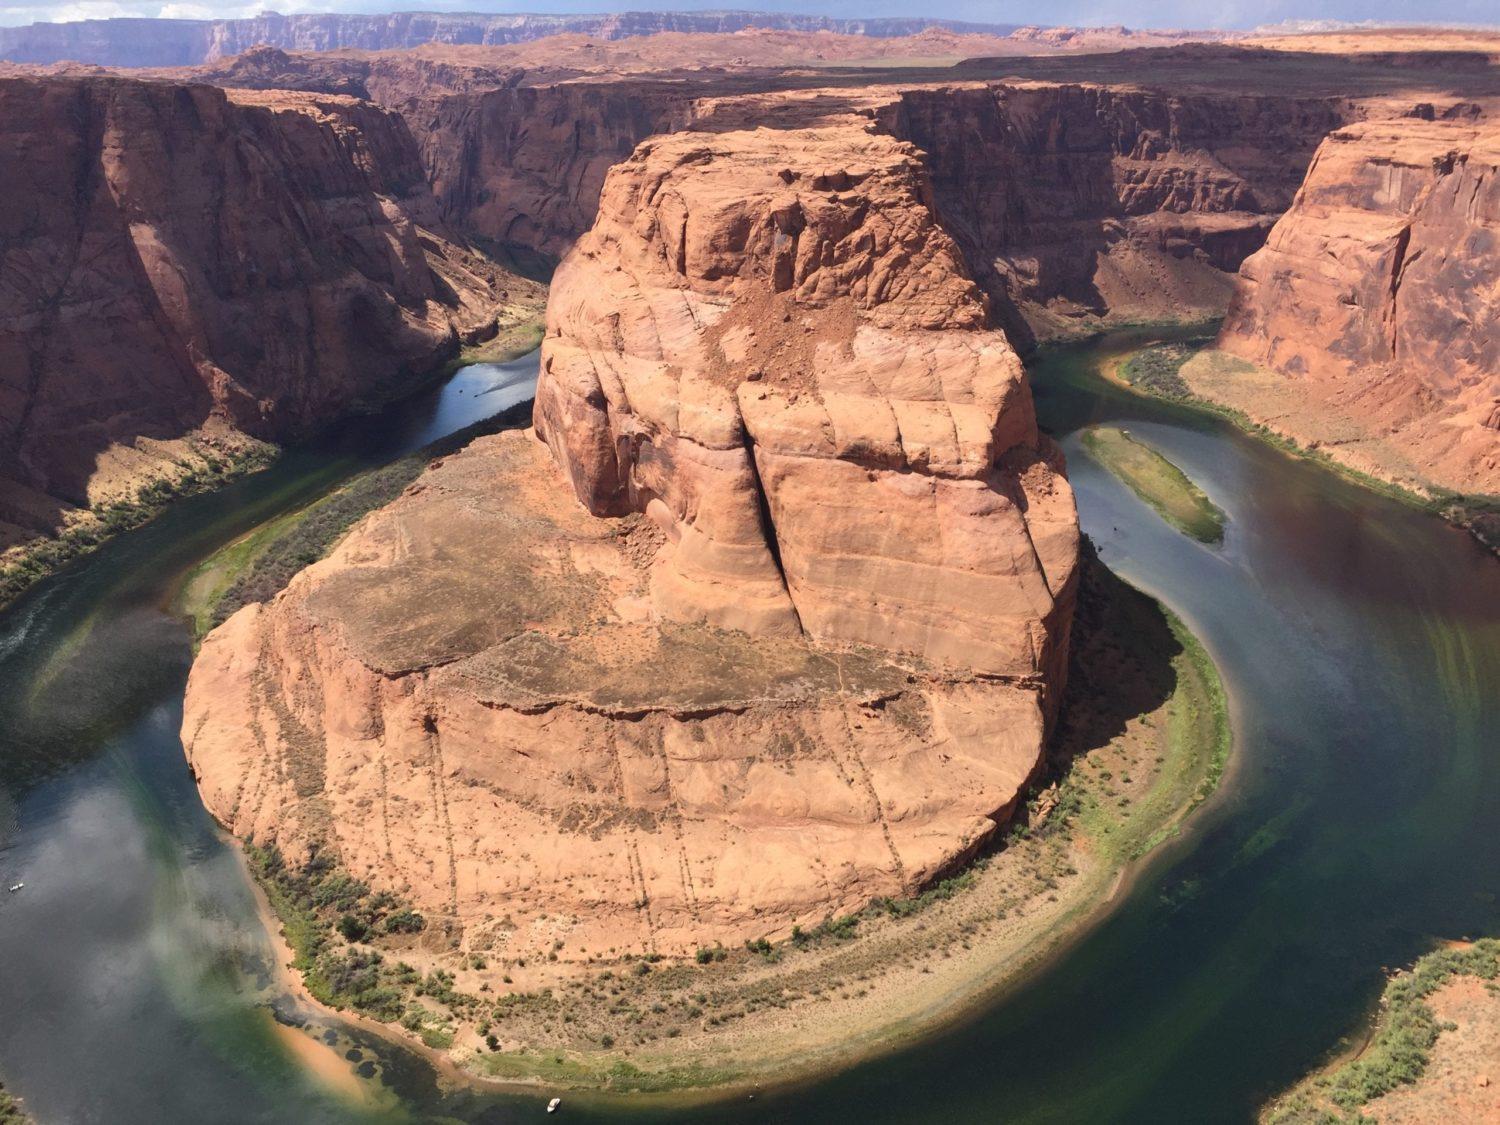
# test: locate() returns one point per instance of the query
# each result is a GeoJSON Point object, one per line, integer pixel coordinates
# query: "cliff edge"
{"type": "Point", "coordinates": [771, 621]}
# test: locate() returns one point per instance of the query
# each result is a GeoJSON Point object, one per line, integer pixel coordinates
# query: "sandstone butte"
{"type": "Point", "coordinates": [1377, 297]}
{"type": "Point", "coordinates": [184, 265]}
{"type": "Point", "coordinates": [767, 616]}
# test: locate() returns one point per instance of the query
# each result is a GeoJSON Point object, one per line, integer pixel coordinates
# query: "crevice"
{"type": "Point", "coordinates": [768, 526]}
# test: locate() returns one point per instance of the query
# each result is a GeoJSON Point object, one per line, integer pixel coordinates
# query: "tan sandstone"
{"type": "Point", "coordinates": [797, 647]}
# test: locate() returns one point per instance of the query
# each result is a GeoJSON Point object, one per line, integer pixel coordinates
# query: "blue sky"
{"type": "Point", "coordinates": [1134, 13]}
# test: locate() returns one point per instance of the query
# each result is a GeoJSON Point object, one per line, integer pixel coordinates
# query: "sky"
{"type": "Point", "coordinates": [1132, 13]}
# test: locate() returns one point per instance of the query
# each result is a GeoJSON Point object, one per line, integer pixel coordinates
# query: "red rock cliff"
{"type": "Point", "coordinates": [1082, 200]}
{"type": "Point", "coordinates": [177, 258]}
{"type": "Point", "coordinates": [795, 649]}
{"type": "Point", "coordinates": [1378, 296]}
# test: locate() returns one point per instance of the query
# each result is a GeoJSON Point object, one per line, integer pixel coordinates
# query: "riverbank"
{"type": "Point", "coordinates": [197, 468]}
{"type": "Point", "coordinates": [1143, 739]}
{"type": "Point", "coordinates": [1433, 1054]}
{"type": "Point", "coordinates": [1190, 371]}
{"type": "Point", "coordinates": [200, 465]}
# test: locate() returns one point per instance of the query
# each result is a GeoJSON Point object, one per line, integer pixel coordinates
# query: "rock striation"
{"type": "Point", "coordinates": [1080, 201]}
{"type": "Point", "coordinates": [1376, 301]}
{"type": "Point", "coordinates": [183, 263]}
{"type": "Point", "coordinates": [766, 618]}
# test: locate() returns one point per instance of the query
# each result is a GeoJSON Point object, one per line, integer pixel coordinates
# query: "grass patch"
{"type": "Point", "coordinates": [1401, 1048]}
{"type": "Point", "coordinates": [1158, 482]}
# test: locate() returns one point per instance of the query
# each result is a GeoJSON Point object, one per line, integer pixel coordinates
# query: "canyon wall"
{"type": "Point", "coordinates": [1376, 302]}
{"type": "Point", "coordinates": [791, 640]}
{"type": "Point", "coordinates": [1081, 201]}
{"type": "Point", "coordinates": [181, 264]}
{"type": "Point", "coordinates": [1074, 202]}
{"type": "Point", "coordinates": [526, 165]}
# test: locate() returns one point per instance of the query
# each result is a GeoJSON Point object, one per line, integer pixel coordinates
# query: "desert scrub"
{"type": "Point", "coordinates": [1398, 1053]}
{"type": "Point", "coordinates": [10, 1109]}
{"type": "Point", "coordinates": [335, 925]}
{"type": "Point", "coordinates": [261, 564]}
{"type": "Point", "coordinates": [1158, 368]}
{"type": "Point", "coordinates": [1158, 482]}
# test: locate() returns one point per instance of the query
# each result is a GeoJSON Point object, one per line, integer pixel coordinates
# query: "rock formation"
{"type": "Point", "coordinates": [791, 639]}
{"type": "Point", "coordinates": [183, 263]}
{"type": "Point", "coordinates": [1081, 201]}
{"type": "Point", "coordinates": [1377, 303]}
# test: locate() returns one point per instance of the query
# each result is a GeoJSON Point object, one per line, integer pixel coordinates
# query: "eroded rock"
{"type": "Point", "coordinates": [796, 647]}
{"type": "Point", "coordinates": [1377, 298]}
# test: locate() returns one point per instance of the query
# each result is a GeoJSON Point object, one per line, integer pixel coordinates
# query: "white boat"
{"type": "Point", "coordinates": [553, 1104]}
{"type": "Point", "coordinates": [17, 887]}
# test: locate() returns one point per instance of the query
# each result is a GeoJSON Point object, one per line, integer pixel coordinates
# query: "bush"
{"type": "Point", "coordinates": [405, 922]}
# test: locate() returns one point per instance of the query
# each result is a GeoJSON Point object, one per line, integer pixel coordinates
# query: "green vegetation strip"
{"type": "Point", "coordinates": [1158, 482]}
{"type": "Point", "coordinates": [10, 1109]}
{"type": "Point", "coordinates": [45, 556]}
{"type": "Point", "coordinates": [318, 904]}
{"type": "Point", "coordinates": [1157, 370]}
{"type": "Point", "coordinates": [1401, 1048]}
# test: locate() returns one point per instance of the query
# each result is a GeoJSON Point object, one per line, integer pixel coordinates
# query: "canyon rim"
{"type": "Point", "coordinates": [755, 703]}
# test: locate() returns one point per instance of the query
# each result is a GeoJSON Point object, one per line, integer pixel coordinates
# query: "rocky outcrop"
{"type": "Point", "coordinates": [1375, 300]}
{"type": "Point", "coordinates": [1083, 201]}
{"type": "Point", "coordinates": [181, 263]}
{"type": "Point", "coordinates": [796, 647]}
{"type": "Point", "coordinates": [758, 350]}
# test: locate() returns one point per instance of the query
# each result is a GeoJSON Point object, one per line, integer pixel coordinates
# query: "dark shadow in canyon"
{"type": "Point", "coordinates": [1120, 663]}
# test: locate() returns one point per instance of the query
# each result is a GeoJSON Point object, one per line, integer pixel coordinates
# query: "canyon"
{"type": "Point", "coordinates": [776, 625]}
{"type": "Point", "coordinates": [187, 271]}
{"type": "Point", "coordinates": [815, 543]}
{"type": "Point", "coordinates": [1082, 191]}
{"type": "Point", "coordinates": [808, 596]}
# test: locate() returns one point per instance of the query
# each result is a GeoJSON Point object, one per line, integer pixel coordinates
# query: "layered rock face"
{"type": "Point", "coordinates": [1377, 297]}
{"type": "Point", "coordinates": [1085, 201]}
{"type": "Point", "coordinates": [796, 647]}
{"type": "Point", "coordinates": [180, 262]}
{"type": "Point", "coordinates": [757, 352]}
{"type": "Point", "coordinates": [526, 165]}
{"type": "Point", "coordinates": [1074, 202]}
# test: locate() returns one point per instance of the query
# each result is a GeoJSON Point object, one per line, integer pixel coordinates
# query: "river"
{"type": "Point", "coordinates": [1359, 640]}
